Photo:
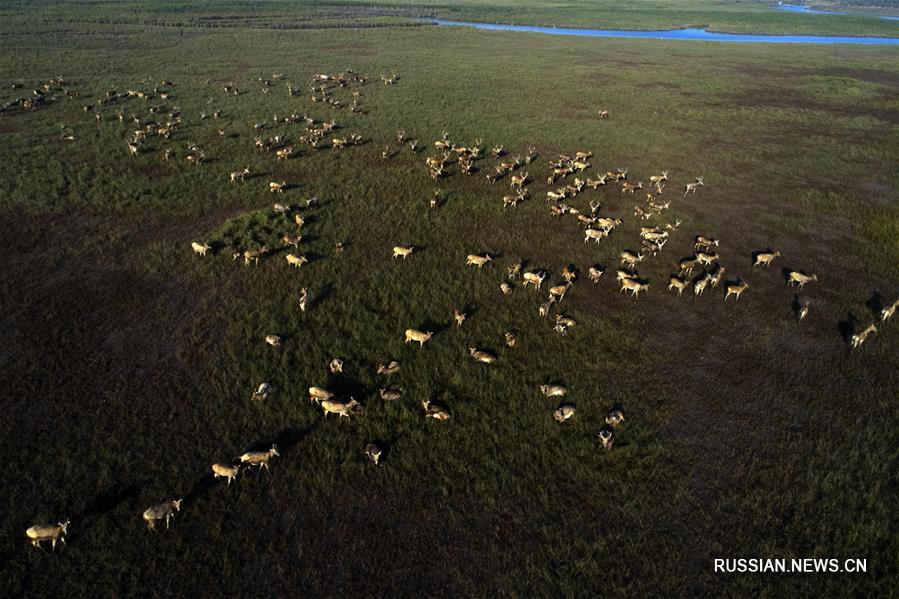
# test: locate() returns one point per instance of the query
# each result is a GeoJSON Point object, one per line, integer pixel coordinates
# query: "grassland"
{"type": "Point", "coordinates": [128, 361]}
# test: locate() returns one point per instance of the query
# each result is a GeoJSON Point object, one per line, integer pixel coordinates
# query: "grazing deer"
{"type": "Point", "coordinates": [200, 249]}
{"type": "Point", "coordinates": [546, 306]}
{"type": "Point", "coordinates": [165, 510]}
{"type": "Point", "coordinates": [239, 175]}
{"type": "Point", "coordinates": [476, 260]}
{"type": "Point", "coordinates": [482, 356]}
{"type": "Point", "coordinates": [735, 289]}
{"type": "Point", "coordinates": [40, 533]}
{"type": "Point", "coordinates": [459, 317]}
{"type": "Point", "coordinates": [253, 256]}
{"type": "Point", "coordinates": [554, 390]}
{"type": "Point", "coordinates": [260, 459]}
{"type": "Point", "coordinates": [687, 265]}
{"type": "Point", "coordinates": [564, 412]}
{"type": "Point", "coordinates": [765, 258]}
{"type": "Point", "coordinates": [692, 187]}
{"type": "Point", "coordinates": [403, 251]}
{"type": "Point", "coordinates": [534, 278]}
{"type": "Point", "coordinates": [798, 278]}
{"type": "Point", "coordinates": [319, 394]}
{"type": "Point", "coordinates": [615, 417]}
{"type": "Point", "coordinates": [389, 369]}
{"type": "Point", "coordinates": [801, 309]}
{"type": "Point", "coordinates": [273, 340]}
{"type": "Point", "coordinates": [594, 273]}
{"type": "Point", "coordinates": [343, 409]}
{"type": "Point", "coordinates": [858, 338]}
{"type": "Point", "coordinates": [336, 366]}
{"type": "Point", "coordinates": [634, 286]}
{"type": "Point", "coordinates": [511, 338]}
{"type": "Point", "coordinates": [373, 453]}
{"type": "Point", "coordinates": [389, 394]}
{"type": "Point", "coordinates": [434, 411]}
{"type": "Point", "coordinates": [262, 392]}
{"type": "Point", "coordinates": [225, 471]}
{"type": "Point", "coordinates": [420, 336]}
{"type": "Point", "coordinates": [678, 283]}
{"type": "Point", "coordinates": [276, 186]}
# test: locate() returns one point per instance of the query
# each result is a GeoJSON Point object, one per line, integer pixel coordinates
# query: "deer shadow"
{"type": "Point", "coordinates": [875, 303]}
{"type": "Point", "coordinates": [106, 501]}
{"type": "Point", "coordinates": [322, 295]}
{"type": "Point", "coordinates": [847, 327]}
{"type": "Point", "coordinates": [434, 327]}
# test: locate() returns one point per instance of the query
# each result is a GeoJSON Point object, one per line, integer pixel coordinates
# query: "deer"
{"type": "Point", "coordinates": [630, 188]}
{"type": "Point", "coordinates": [476, 260]}
{"type": "Point", "coordinates": [510, 338]}
{"type": "Point", "coordinates": [482, 356]}
{"type": "Point", "coordinates": [297, 261]}
{"type": "Point", "coordinates": [260, 459]}
{"type": "Point", "coordinates": [605, 438]}
{"type": "Point", "coordinates": [706, 259]}
{"type": "Point", "coordinates": [615, 417]}
{"type": "Point", "coordinates": [594, 273]}
{"type": "Point", "coordinates": [304, 299]}
{"type": "Point", "coordinates": [634, 286]}
{"type": "Point", "coordinates": [273, 340]}
{"type": "Point", "coordinates": [403, 251]}
{"type": "Point", "coordinates": [389, 369]}
{"type": "Point", "coordinates": [558, 292]}
{"type": "Point", "coordinates": [679, 283]}
{"type": "Point", "coordinates": [546, 306]}
{"type": "Point", "coordinates": [239, 175]}
{"type": "Point", "coordinates": [319, 394]}
{"type": "Point", "coordinates": [887, 311]}
{"type": "Point", "coordinates": [616, 175]}
{"type": "Point", "coordinates": [336, 366]}
{"type": "Point", "coordinates": [373, 453]}
{"type": "Point", "coordinates": [434, 411]}
{"type": "Point", "coordinates": [200, 249]}
{"type": "Point", "coordinates": [534, 278]}
{"type": "Point", "coordinates": [596, 183]}
{"type": "Point", "coordinates": [291, 240]}
{"type": "Point", "coordinates": [564, 412]}
{"type": "Point", "coordinates": [253, 256]}
{"type": "Point", "coordinates": [858, 338]}
{"type": "Point", "coordinates": [389, 394]}
{"type": "Point", "coordinates": [657, 180]}
{"type": "Point", "coordinates": [716, 276]}
{"type": "Point", "coordinates": [630, 259]}
{"type": "Point", "coordinates": [415, 335]}
{"type": "Point", "coordinates": [735, 289]}
{"type": "Point", "coordinates": [692, 187]}
{"type": "Point", "coordinates": [262, 392]}
{"type": "Point", "coordinates": [225, 471]}
{"type": "Point", "coordinates": [165, 510]}
{"type": "Point", "coordinates": [518, 181]}
{"type": "Point", "coordinates": [701, 283]}
{"type": "Point", "coordinates": [40, 533]}
{"type": "Point", "coordinates": [603, 114]}
{"type": "Point", "coordinates": [687, 265]}
{"type": "Point", "coordinates": [595, 234]}
{"type": "Point", "coordinates": [798, 278]}
{"type": "Point", "coordinates": [801, 309]}
{"type": "Point", "coordinates": [765, 258]}
{"type": "Point", "coordinates": [569, 273]}
{"type": "Point", "coordinates": [704, 243]}
{"type": "Point", "coordinates": [607, 224]}
{"type": "Point", "coordinates": [554, 390]}
{"type": "Point", "coordinates": [343, 409]}
{"type": "Point", "coordinates": [276, 186]}
{"type": "Point", "coordinates": [563, 323]}
{"type": "Point", "coordinates": [459, 317]}
{"type": "Point", "coordinates": [196, 159]}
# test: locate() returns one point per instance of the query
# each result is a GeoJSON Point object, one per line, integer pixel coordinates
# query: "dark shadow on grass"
{"type": "Point", "coordinates": [875, 303]}
{"type": "Point", "coordinates": [847, 328]}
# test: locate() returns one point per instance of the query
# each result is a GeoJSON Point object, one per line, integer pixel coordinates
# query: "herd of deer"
{"type": "Point", "coordinates": [596, 227]}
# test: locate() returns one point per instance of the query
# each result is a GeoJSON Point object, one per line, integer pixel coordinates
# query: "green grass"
{"type": "Point", "coordinates": [130, 361]}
